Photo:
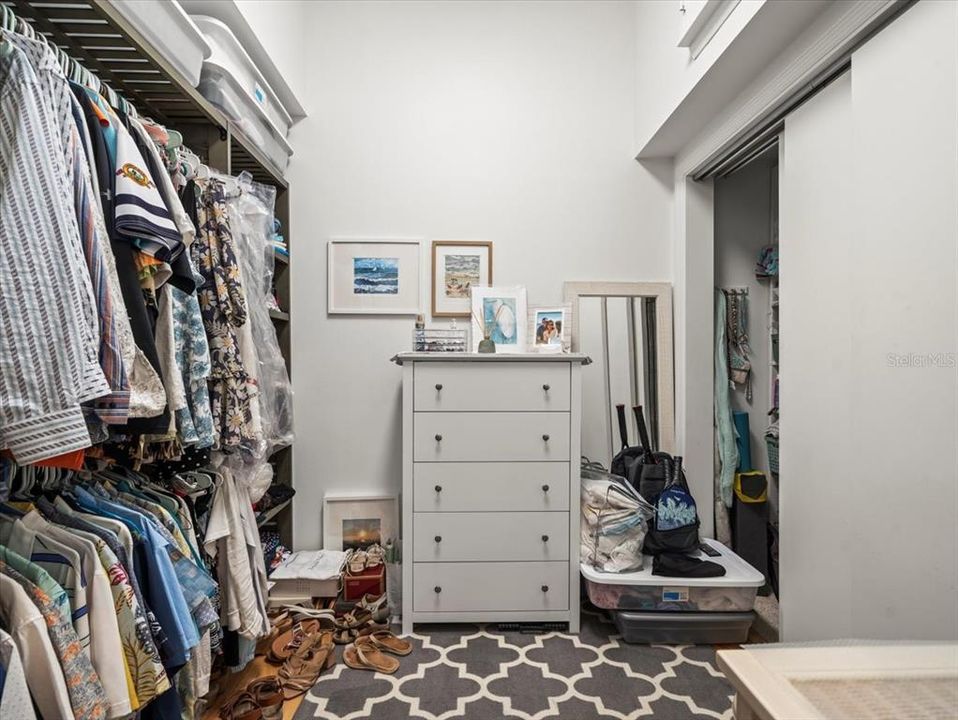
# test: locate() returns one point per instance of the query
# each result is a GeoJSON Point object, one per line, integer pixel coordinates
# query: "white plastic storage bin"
{"type": "Point", "coordinates": [229, 55]}
{"type": "Point", "coordinates": [171, 31]}
{"type": "Point", "coordinates": [222, 89]}
{"type": "Point", "coordinates": [643, 591]}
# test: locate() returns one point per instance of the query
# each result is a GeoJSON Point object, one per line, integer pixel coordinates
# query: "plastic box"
{"type": "Point", "coordinates": [653, 628]}
{"type": "Point", "coordinates": [230, 56]}
{"type": "Point", "coordinates": [171, 31]}
{"type": "Point", "coordinates": [643, 591]}
{"type": "Point", "coordinates": [222, 89]}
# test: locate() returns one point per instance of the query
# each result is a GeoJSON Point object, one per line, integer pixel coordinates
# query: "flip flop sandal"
{"type": "Point", "coordinates": [363, 655]}
{"type": "Point", "coordinates": [268, 692]}
{"type": "Point", "coordinates": [278, 625]}
{"type": "Point", "coordinates": [386, 641]}
{"type": "Point", "coordinates": [288, 642]}
{"type": "Point", "coordinates": [242, 707]}
{"type": "Point", "coordinates": [300, 672]}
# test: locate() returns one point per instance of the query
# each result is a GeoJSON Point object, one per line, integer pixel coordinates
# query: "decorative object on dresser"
{"type": "Point", "coordinates": [499, 314]}
{"type": "Point", "coordinates": [457, 267]}
{"type": "Point", "coordinates": [491, 488]}
{"type": "Point", "coordinates": [351, 521]}
{"type": "Point", "coordinates": [373, 277]}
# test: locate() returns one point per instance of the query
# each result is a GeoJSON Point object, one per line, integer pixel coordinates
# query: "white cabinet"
{"type": "Point", "coordinates": [491, 488]}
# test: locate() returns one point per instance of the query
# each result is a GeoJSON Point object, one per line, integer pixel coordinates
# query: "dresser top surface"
{"type": "Point", "coordinates": [405, 357]}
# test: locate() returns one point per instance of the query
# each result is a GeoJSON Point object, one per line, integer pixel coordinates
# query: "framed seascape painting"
{"type": "Point", "coordinates": [457, 267]}
{"type": "Point", "coordinates": [373, 277]}
{"type": "Point", "coordinates": [499, 313]}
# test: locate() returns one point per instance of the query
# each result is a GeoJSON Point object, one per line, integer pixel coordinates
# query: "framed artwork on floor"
{"type": "Point", "coordinates": [358, 521]}
{"type": "Point", "coordinates": [501, 313]}
{"type": "Point", "coordinates": [373, 277]}
{"type": "Point", "coordinates": [457, 267]}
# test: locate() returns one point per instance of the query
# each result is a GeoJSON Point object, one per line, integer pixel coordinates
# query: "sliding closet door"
{"type": "Point", "coordinates": [869, 315]}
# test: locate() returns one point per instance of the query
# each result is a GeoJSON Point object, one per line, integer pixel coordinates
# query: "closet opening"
{"type": "Point", "coordinates": [746, 367]}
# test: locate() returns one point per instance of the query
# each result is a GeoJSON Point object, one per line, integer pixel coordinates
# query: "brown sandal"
{"type": "Point", "coordinates": [300, 672]}
{"type": "Point", "coordinates": [286, 643]}
{"type": "Point", "coordinates": [364, 655]}
{"type": "Point", "coordinates": [344, 637]}
{"type": "Point", "coordinates": [278, 625]}
{"type": "Point", "coordinates": [387, 641]}
{"type": "Point", "coordinates": [241, 707]}
{"type": "Point", "coordinates": [355, 619]}
{"type": "Point", "coordinates": [268, 692]}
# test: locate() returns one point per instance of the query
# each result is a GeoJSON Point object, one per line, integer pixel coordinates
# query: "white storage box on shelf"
{"type": "Point", "coordinates": [643, 591]}
{"type": "Point", "coordinates": [171, 31]}
{"type": "Point", "coordinates": [228, 53]}
{"type": "Point", "coordinates": [220, 86]}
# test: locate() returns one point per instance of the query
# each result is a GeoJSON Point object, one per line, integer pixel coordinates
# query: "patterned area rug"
{"type": "Point", "coordinates": [478, 673]}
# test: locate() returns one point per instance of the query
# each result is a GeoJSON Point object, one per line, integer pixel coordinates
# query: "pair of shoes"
{"type": "Point", "coordinates": [377, 606]}
{"type": "Point", "coordinates": [368, 651]}
{"type": "Point", "coordinates": [304, 666]}
{"type": "Point", "coordinates": [371, 557]}
{"type": "Point", "coordinates": [261, 700]}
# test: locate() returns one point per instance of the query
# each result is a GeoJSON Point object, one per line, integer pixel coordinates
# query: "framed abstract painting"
{"type": "Point", "coordinates": [457, 267]}
{"type": "Point", "coordinates": [373, 277]}
{"type": "Point", "coordinates": [499, 313]}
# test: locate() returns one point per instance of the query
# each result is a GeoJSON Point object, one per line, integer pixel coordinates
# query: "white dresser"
{"type": "Point", "coordinates": [490, 502]}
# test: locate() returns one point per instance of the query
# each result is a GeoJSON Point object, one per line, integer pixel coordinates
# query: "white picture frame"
{"type": "Point", "coordinates": [562, 341]}
{"type": "Point", "coordinates": [374, 276]}
{"type": "Point", "coordinates": [346, 517]}
{"type": "Point", "coordinates": [508, 304]}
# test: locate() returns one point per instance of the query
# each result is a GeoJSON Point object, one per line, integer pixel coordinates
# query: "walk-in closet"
{"type": "Point", "coordinates": [612, 374]}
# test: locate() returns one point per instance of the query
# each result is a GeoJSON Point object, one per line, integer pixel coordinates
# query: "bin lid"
{"type": "Point", "coordinates": [738, 573]}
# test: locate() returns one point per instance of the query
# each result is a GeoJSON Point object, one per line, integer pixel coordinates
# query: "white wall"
{"type": "Point", "coordinates": [508, 121]}
{"type": "Point", "coordinates": [869, 316]}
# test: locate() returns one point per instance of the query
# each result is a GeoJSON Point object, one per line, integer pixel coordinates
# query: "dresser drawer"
{"type": "Point", "coordinates": [509, 536]}
{"type": "Point", "coordinates": [490, 486]}
{"type": "Point", "coordinates": [490, 436]}
{"type": "Point", "coordinates": [527, 386]}
{"type": "Point", "coordinates": [491, 587]}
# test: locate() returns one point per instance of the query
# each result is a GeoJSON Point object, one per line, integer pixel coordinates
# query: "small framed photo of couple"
{"type": "Point", "coordinates": [457, 267]}
{"type": "Point", "coordinates": [550, 328]}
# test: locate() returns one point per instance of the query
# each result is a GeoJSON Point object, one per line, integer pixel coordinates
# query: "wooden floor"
{"type": "Point", "coordinates": [232, 683]}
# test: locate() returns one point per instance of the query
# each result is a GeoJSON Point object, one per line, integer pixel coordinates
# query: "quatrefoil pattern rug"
{"type": "Point", "coordinates": [479, 673]}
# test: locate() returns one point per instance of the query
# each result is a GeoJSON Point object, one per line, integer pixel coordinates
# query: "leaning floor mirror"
{"type": "Point", "coordinates": [626, 328]}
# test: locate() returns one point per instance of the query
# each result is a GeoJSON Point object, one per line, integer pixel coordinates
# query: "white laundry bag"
{"type": "Point", "coordinates": [615, 520]}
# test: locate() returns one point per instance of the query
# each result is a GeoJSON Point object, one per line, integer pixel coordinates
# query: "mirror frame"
{"type": "Point", "coordinates": [664, 352]}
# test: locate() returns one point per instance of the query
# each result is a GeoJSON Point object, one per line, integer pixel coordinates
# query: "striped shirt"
{"type": "Point", "coordinates": [48, 347]}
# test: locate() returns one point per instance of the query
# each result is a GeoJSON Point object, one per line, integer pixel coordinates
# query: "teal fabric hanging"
{"type": "Point", "coordinates": [724, 426]}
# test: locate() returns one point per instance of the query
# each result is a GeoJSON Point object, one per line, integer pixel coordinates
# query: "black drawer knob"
{"type": "Point", "coordinates": [545, 538]}
{"type": "Point", "coordinates": [438, 437]}
{"type": "Point", "coordinates": [438, 538]}
{"type": "Point", "coordinates": [545, 437]}
{"type": "Point", "coordinates": [545, 588]}
{"type": "Point", "coordinates": [545, 488]}
{"type": "Point", "coordinates": [547, 387]}
{"type": "Point", "coordinates": [438, 386]}
{"type": "Point", "coordinates": [437, 589]}
{"type": "Point", "coordinates": [438, 488]}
